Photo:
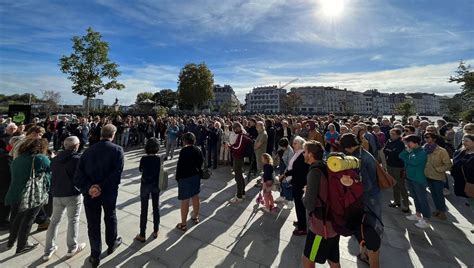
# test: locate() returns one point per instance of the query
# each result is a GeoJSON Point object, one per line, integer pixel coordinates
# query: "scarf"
{"type": "Point", "coordinates": [290, 164]}
{"type": "Point", "coordinates": [430, 148]}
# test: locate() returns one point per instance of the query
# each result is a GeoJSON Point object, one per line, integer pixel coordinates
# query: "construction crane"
{"type": "Point", "coordinates": [291, 82]}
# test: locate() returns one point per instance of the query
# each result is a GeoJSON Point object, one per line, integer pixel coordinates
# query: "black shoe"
{"type": "Point", "coordinates": [406, 210]}
{"type": "Point", "coordinates": [394, 205]}
{"type": "Point", "coordinates": [117, 243]}
{"type": "Point", "coordinates": [94, 261]}
{"type": "Point", "coordinates": [27, 248]}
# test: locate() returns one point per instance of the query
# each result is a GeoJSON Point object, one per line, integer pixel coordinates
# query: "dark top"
{"type": "Point", "coordinates": [252, 132]}
{"type": "Point", "coordinates": [189, 162]}
{"type": "Point", "coordinates": [267, 172]}
{"type": "Point", "coordinates": [213, 136]}
{"type": "Point", "coordinates": [392, 150]}
{"type": "Point", "coordinates": [271, 140]}
{"type": "Point", "coordinates": [5, 174]}
{"type": "Point", "coordinates": [63, 168]}
{"type": "Point", "coordinates": [298, 173]}
{"type": "Point", "coordinates": [150, 169]}
{"type": "Point", "coordinates": [102, 164]}
{"type": "Point", "coordinates": [462, 162]}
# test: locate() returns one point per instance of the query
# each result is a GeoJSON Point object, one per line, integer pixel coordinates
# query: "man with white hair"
{"type": "Point", "coordinates": [10, 129]}
{"type": "Point", "coordinates": [98, 176]}
{"type": "Point", "coordinates": [65, 197]}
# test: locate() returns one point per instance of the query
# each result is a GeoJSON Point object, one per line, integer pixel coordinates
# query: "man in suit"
{"type": "Point", "coordinates": [98, 177]}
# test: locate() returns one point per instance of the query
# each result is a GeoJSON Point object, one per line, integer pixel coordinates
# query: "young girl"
{"type": "Point", "coordinates": [150, 168]}
{"type": "Point", "coordinates": [267, 184]}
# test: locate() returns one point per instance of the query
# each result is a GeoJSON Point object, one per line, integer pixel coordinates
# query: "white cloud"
{"type": "Point", "coordinates": [376, 57]}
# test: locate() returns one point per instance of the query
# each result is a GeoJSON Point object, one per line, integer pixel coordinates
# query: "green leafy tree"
{"type": "Point", "coordinates": [88, 64]}
{"type": "Point", "coordinates": [465, 76]}
{"type": "Point", "coordinates": [143, 96]}
{"type": "Point", "coordinates": [406, 109]}
{"type": "Point", "coordinates": [195, 85]}
{"type": "Point", "coordinates": [166, 98]}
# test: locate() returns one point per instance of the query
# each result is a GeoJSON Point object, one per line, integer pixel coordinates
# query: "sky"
{"type": "Point", "coordinates": [393, 46]}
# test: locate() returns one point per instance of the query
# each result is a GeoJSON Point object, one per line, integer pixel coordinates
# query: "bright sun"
{"type": "Point", "coordinates": [332, 8]}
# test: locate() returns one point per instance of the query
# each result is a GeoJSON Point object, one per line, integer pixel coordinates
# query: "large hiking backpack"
{"type": "Point", "coordinates": [340, 200]}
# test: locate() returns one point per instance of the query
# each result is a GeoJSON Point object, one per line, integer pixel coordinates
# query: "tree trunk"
{"type": "Point", "coordinates": [87, 105]}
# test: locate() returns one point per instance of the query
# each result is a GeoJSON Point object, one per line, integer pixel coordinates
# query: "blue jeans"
{"type": "Point", "coordinates": [418, 192]}
{"type": "Point", "coordinates": [372, 205]}
{"type": "Point", "coordinates": [436, 189]}
{"type": "Point", "coordinates": [286, 191]}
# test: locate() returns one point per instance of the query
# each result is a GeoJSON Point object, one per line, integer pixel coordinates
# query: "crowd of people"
{"type": "Point", "coordinates": [82, 158]}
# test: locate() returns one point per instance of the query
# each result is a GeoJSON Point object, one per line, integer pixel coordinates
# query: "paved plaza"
{"type": "Point", "coordinates": [244, 236]}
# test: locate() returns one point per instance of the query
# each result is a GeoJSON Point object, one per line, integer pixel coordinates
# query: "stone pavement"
{"type": "Point", "coordinates": [243, 236]}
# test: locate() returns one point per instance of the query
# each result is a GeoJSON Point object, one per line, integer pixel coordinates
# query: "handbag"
{"type": "Point", "coordinates": [385, 180]}
{"type": "Point", "coordinates": [35, 193]}
{"type": "Point", "coordinates": [468, 187]}
{"type": "Point", "coordinates": [163, 178]}
{"type": "Point", "coordinates": [206, 174]}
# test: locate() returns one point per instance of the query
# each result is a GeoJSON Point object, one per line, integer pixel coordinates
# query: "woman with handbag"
{"type": "Point", "coordinates": [28, 191]}
{"type": "Point", "coordinates": [188, 174]}
{"type": "Point", "coordinates": [463, 170]}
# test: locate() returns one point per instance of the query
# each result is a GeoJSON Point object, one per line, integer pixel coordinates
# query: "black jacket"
{"type": "Point", "coordinates": [391, 150]}
{"type": "Point", "coordinates": [5, 174]}
{"type": "Point", "coordinates": [63, 167]}
{"type": "Point", "coordinates": [298, 172]}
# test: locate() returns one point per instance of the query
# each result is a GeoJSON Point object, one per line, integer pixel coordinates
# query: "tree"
{"type": "Point", "coordinates": [88, 65]}
{"type": "Point", "coordinates": [195, 85]}
{"type": "Point", "coordinates": [406, 108]}
{"type": "Point", "coordinates": [291, 101]}
{"type": "Point", "coordinates": [143, 96]}
{"type": "Point", "coordinates": [50, 100]}
{"type": "Point", "coordinates": [465, 76]}
{"type": "Point", "coordinates": [166, 98]}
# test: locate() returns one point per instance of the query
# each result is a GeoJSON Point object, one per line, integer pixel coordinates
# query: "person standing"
{"type": "Point", "coordinates": [260, 146]}
{"type": "Point", "coordinates": [415, 160]}
{"type": "Point", "coordinates": [66, 197]}
{"type": "Point", "coordinates": [395, 168]}
{"type": "Point", "coordinates": [188, 175]}
{"type": "Point", "coordinates": [212, 144]}
{"type": "Point", "coordinates": [321, 244]}
{"type": "Point", "coordinates": [171, 139]}
{"type": "Point", "coordinates": [98, 177]}
{"type": "Point", "coordinates": [435, 171]}
{"type": "Point", "coordinates": [238, 151]}
{"type": "Point", "coordinates": [31, 158]}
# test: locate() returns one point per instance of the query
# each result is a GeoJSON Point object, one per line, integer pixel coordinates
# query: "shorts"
{"type": "Point", "coordinates": [317, 249]}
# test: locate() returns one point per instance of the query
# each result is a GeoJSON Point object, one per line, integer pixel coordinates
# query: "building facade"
{"type": "Point", "coordinates": [268, 99]}
{"type": "Point", "coordinates": [225, 99]}
{"type": "Point", "coordinates": [94, 104]}
{"type": "Point", "coordinates": [425, 103]}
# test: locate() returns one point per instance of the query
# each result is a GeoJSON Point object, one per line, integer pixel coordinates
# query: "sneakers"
{"type": "Point", "coordinates": [78, 249]}
{"type": "Point", "coordinates": [48, 255]}
{"type": "Point", "coordinates": [235, 200]}
{"type": "Point", "coordinates": [27, 248]}
{"type": "Point", "coordinates": [413, 217]}
{"type": "Point", "coordinates": [280, 199]}
{"type": "Point", "coordinates": [445, 192]}
{"type": "Point", "coordinates": [422, 223]}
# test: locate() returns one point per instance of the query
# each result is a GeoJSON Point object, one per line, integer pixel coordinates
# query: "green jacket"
{"type": "Point", "coordinates": [21, 170]}
{"type": "Point", "coordinates": [415, 162]}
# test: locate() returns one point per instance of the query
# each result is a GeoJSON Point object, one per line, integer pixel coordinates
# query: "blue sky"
{"type": "Point", "coordinates": [394, 46]}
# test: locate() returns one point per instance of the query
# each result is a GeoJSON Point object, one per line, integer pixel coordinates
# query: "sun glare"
{"type": "Point", "coordinates": [332, 8]}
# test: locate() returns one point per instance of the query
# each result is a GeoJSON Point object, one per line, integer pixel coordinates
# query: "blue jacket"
{"type": "Point", "coordinates": [172, 133]}
{"type": "Point", "coordinates": [101, 164]}
{"type": "Point", "coordinates": [415, 162]}
{"type": "Point", "coordinates": [368, 171]}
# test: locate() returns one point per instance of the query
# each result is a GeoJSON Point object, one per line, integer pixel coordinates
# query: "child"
{"type": "Point", "coordinates": [150, 168]}
{"type": "Point", "coordinates": [267, 184]}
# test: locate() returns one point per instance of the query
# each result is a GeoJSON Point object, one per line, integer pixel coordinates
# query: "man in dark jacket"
{"type": "Point", "coordinates": [65, 197]}
{"type": "Point", "coordinates": [395, 167]}
{"type": "Point", "coordinates": [98, 177]}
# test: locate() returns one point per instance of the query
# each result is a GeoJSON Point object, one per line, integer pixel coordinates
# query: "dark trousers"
{"type": "Point", "coordinates": [239, 177]}
{"type": "Point", "coordinates": [4, 215]}
{"type": "Point", "coordinates": [212, 154]}
{"type": "Point", "coordinates": [93, 208]}
{"type": "Point", "coordinates": [20, 226]}
{"type": "Point", "coordinates": [300, 209]}
{"type": "Point", "coordinates": [145, 192]}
